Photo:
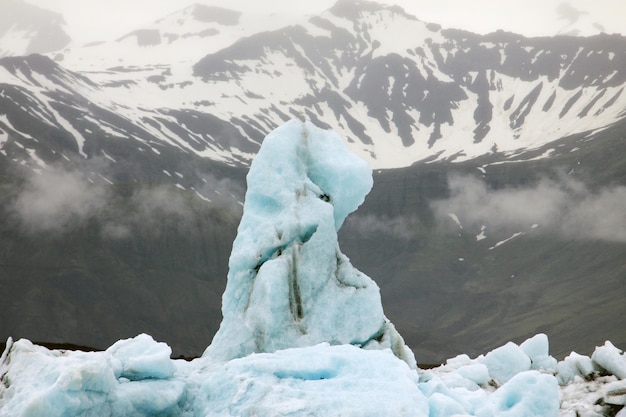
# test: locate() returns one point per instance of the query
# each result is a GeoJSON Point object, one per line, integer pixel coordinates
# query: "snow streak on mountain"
{"type": "Point", "coordinates": [212, 82]}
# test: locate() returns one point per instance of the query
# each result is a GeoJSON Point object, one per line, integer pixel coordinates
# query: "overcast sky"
{"type": "Point", "coordinates": [90, 20]}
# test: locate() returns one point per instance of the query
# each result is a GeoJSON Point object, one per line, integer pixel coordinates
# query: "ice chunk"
{"type": "Point", "coordinates": [461, 372]}
{"type": "Point", "coordinates": [38, 382]}
{"type": "Point", "coordinates": [526, 394]}
{"type": "Point", "coordinates": [506, 361]}
{"type": "Point", "coordinates": [148, 397]}
{"type": "Point", "coordinates": [317, 380]}
{"type": "Point", "coordinates": [443, 406]}
{"type": "Point", "coordinates": [289, 285]}
{"type": "Point", "coordinates": [5, 354]}
{"type": "Point", "coordinates": [142, 357]}
{"type": "Point", "coordinates": [574, 365]}
{"type": "Point", "coordinates": [615, 392]}
{"type": "Point", "coordinates": [611, 359]}
{"type": "Point", "coordinates": [44, 383]}
{"type": "Point", "coordinates": [458, 361]}
{"type": "Point", "coordinates": [547, 363]}
{"type": "Point", "coordinates": [477, 373]}
{"type": "Point", "coordinates": [536, 346]}
{"type": "Point", "coordinates": [452, 385]}
{"type": "Point", "coordinates": [538, 350]}
{"type": "Point", "coordinates": [320, 380]}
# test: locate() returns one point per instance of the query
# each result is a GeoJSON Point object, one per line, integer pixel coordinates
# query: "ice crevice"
{"type": "Point", "coordinates": [303, 331]}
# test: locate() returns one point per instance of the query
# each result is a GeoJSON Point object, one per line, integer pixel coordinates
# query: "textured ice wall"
{"type": "Point", "coordinates": [289, 285]}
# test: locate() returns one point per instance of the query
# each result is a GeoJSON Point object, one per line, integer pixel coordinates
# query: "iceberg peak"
{"type": "Point", "coordinates": [289, 285]}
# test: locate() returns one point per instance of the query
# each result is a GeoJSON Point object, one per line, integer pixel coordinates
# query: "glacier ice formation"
{"type": "Point", "coordinates": [304, 332]}
{"type": "Point", "coordinates": [289, 285]}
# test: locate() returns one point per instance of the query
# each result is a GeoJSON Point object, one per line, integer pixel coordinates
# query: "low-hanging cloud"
{"type": "Point", "coordinates": [599, 216]}
{"type": "Point", "coordinates": [151, 209]}
{"type": "Point", "coordinates": [223, 192]}
{"type": "Point", "coordinates": [372, 226]}
{"type": "Point", "coordinates": [56, 199]}
{"type": "Point", "coordinates": [568, 12]}
{"type": "Point", "coordinates": [161, 201]}
{"type": "Point", "coordinates": [564, 206]}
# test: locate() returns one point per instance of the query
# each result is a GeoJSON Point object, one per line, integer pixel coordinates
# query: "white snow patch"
{"type": "Point", "coordinates": [80, 139]}
{"type": "Point", "coordinates": [109, 157]}
{"type": "Point", "coordinates": [108, 181]}
{"type": "Point", "coordinates": [35, 158]}
{"type": "Point", "coordinates": [455, 219]}
{"type": "Point", "coordinates": [482, 235]}
{"type": "Point", "coordinates": [208, 200]}
{"type": "Point", "coordinates": [502, 242]}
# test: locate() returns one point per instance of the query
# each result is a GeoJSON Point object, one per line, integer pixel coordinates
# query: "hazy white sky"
{"type": "Point", "coordinates": [90, 20]}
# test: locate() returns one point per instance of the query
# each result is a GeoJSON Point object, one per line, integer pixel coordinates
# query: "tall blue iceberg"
{"type": "Point", "coordinates": [289, 285]}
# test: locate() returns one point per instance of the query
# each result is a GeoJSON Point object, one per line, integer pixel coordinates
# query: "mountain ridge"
{"type": "Point", "coordinates": [26, 29]}
{"type": "Point", "coordinates": [415, 98]}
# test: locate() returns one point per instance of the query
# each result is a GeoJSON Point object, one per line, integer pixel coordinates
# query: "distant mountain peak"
{"type": "Point", "coordinates": [353, 9]}
{"type": "Point", "coordinates": [27, 29]}
{"type": "Point", "coordinates": [144, 37]}
{"type": "Point", "coordinates": [398, 89]}
{"type": "Point", "coordinates": [215, 14]}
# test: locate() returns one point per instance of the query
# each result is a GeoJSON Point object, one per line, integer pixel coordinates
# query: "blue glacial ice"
{"type": "Point", "coordinates": [289, 285]}
{"type": "Point", "coordinates": [304, 332]}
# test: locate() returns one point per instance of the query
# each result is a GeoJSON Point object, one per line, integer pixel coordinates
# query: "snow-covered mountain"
{"type": "Point", "coordinates": [27, 29]}
{"type": "Point", "coordinates": [212, 82]}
